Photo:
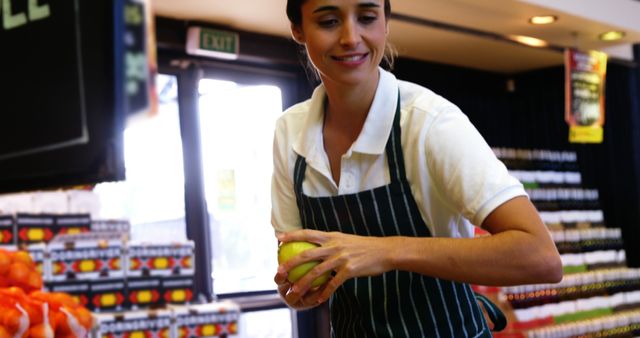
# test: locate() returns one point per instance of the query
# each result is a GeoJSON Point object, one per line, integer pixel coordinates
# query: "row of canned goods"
{"type": "Point", "coordinates": [623, 324]}
{"type": "Point", "coordinates": [589, 239]}
{"type": "Point", "coordinates": [574, 286]}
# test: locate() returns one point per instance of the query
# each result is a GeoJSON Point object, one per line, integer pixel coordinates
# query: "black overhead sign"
{"type": "Point", "coordinates": [60, 119]}
{"type": "Point", "coordinates": [43, 101]}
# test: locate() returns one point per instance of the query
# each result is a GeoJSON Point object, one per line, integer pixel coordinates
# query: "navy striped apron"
{"type": "Point", "coordinates": [396, 303]}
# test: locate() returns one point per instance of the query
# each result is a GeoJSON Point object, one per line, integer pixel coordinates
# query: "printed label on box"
{"type": "Point", "coordinates": [206, 324]}
{"type": "Point", "coordinates": [86, 260]}
{"type": "Point", "coordinates": [35, 228]}
{"type": "Point", "coordinates": [107, 295]}
{"type": "Point", "coordinates": [118, 226]}
{"type": "Point", "coordinates": [161, 260]}
{"type": "Point", "coordinates": [177, 290]}
{"type": "Point", "coordinates": [219, 319]}
{"type": "Point", "coordinates": [138, 324]}
{"type": "Point", "coordinates": [73, 223]}
{"type": "Point", "coordinates": [144, 292]}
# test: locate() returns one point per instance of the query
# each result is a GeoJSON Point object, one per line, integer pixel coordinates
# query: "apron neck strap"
{"type": "Point", "coordinates": [395, 158]}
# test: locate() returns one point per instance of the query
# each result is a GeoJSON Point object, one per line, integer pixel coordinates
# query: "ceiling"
{"type": "Point", "coordinates": [480, 27]}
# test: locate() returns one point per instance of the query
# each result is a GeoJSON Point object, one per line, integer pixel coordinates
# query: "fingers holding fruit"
{"type": "Point", "coordinates": [300, 271]}
{"type": "Point", "coordinates": [304, 235]}
{"type": "Point", "coordinates": [309, 299]}
{"type": "Point", "coordinates": [298, 257]}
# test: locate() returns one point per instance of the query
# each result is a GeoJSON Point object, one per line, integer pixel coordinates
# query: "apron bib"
{"type": "Point", "coordinates": [396, 303]}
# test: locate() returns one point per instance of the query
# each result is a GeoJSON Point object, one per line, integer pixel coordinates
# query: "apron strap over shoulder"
{"type": "Point", "coordinates": [493, 311]}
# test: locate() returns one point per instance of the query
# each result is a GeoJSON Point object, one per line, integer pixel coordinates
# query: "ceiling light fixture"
{"type": "Point", "coordinates": [543, 19]}
{"type": "Point", "coordinates": [611, 36]}
{"type": "Point", "coordinates": [529, 41]}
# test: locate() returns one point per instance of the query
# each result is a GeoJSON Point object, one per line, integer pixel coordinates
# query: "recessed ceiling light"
{"type": "Point", "coordinates": [543, 19]}
{"type": "Point", "coordinates": [529, 41]}
{"type": "Point", "coordinates": [611, 36]}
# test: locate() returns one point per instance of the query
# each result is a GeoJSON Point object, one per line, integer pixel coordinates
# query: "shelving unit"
{"type": "Point", "coordinates": [599, 296]}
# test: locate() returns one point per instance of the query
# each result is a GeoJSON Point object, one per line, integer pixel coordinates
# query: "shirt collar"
{"type": "Point", "coordinates": [377, 126]}
{"type": "Point", "coordinates": [376, 129]}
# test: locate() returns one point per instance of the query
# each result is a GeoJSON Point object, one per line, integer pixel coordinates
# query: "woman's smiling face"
{"type": "Point", "coordinates": [345, 39]}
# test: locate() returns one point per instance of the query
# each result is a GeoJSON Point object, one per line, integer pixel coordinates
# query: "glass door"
{"type": "Point", "coordinates": [237, 124]}
{"type": "Point", "coordinates": [238, 112]}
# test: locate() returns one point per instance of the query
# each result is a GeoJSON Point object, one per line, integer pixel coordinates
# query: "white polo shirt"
{"type": "Point", "coordinates": [454, 175]}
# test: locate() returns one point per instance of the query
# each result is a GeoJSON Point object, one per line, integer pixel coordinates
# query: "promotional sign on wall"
{"type": "Point", "coordinates": [585, 80]}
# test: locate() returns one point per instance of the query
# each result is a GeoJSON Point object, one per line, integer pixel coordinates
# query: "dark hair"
{"type": "Point", "coordinates": [294, 10]}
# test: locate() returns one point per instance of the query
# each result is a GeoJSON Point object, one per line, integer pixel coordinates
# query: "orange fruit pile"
{"type": "Point", "coordinates": [42, 315]}
{"type": "Point", "coordinates": [28, 312]}
{"type": "Point", "coordinates": [18, 269]}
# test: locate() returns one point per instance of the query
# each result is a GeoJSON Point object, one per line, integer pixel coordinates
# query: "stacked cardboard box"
{"type": "Point", "coordinates": [205, 320]}
{"type": "Point", "coordinates": [119, 274]}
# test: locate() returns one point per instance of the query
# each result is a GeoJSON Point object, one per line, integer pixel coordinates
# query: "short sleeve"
{"type": "Point", "coordinates": [464, 169]}
{"type": "Point", "coordinates": [284, 209]}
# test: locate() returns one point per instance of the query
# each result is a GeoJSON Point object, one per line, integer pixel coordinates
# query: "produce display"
{"type": "Point", "coordinates": [18, 269]}
{"type": "Point", "coordinates": [27, 311]}
{"type": "Point", "coordinates": [69, 265]}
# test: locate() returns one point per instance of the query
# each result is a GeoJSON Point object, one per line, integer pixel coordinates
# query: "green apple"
{"type": "Point", "coordinates": [288, 250]}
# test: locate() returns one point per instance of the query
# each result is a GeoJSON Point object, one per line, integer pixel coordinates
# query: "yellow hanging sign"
{"type": "Point", "coordinates": [584, 83]}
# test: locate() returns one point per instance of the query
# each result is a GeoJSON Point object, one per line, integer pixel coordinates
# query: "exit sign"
{"type": "Point", "coordinates": [213, 43]}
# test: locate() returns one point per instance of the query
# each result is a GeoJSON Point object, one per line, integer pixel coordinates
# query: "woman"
{"type": "Point", "coordinates": [386, 177]}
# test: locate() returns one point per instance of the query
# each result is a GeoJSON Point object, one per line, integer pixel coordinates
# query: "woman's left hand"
{"type": "Point", "coordinates": [345, 255]}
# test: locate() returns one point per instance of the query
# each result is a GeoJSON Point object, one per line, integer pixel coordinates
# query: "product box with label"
{"type": "Point", "coordinates": [35, 228]}
{"type": "Point", "coordinates": [206, 320]}
{"type": "Point", "coordinates": [156, 259]}
{"type": "Point", "coordinates": [86, 256]}
{"type": "Point", "coordinates": [143, 292]}
{"type": "Point", "coordinates": [177, 290]}
{"type": "Point", "coordinates": [147, 324]}
{"type": "Point", "coordinates": [73, 223]}
{"type": "Point", "coordinates": [111, 225]}
{"type": "Point", "coordinates": [7, 231]}
{"type": "Point", "coordinates": [107, 295]}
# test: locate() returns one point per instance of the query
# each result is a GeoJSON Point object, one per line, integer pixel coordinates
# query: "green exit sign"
{"type": "Point", "coordinates": [213, 43]}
